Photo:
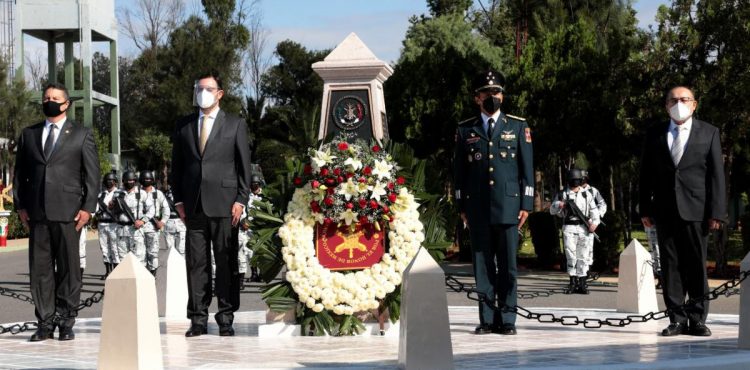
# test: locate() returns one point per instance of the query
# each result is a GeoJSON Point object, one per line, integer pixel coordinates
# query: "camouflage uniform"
{"type": "Point", "coordinates": [131, 239]}
{"type": "Point", "coordinates": [151, 233]}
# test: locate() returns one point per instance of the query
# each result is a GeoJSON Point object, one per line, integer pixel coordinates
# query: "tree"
{"type": "Point", "coordinates": [151, 22]}
{"type": "Point", "coordinates": [156, 150]}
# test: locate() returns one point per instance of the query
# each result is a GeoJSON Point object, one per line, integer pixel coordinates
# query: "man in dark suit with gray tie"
{"type": "Point", "coordinates": [682, 193]}
{"type": "Point", "coordinates": [210, 183]}
{"type": "Point", "coordinates": [55, 184]}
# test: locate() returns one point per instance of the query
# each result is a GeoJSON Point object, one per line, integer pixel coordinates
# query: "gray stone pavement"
{"type": "Point", "coordinates": [538, 345]}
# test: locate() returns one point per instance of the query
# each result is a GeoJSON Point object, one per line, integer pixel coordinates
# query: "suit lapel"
{"type": "Point", "coordinates": [62, 138]}
{"type": "Point", "coordinates": [695, 130]}
{"type": "Point", "coordinates": [664, 143]}
{"type": "Point", "coordinates": [37, 137]}
{"type": "Point", "coordinates": [218, 123]}
{"type": "Point", "coordinates": [192, 134]}
{"type": "Point", "coordinates": [479, 128]}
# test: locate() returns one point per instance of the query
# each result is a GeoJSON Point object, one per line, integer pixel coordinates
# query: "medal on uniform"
{"type": "Point", "coordinates": [512, 155]}
{"type": "Point", "coordinates": [503, 154]}
{"type": "Point", "coordinates": [477, 156]}
{"type": "Point", "coordinates": [508, 135]}
{"type": "Point", "coordinates": [469, 157]}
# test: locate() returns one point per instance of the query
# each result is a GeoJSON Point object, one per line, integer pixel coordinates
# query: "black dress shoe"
{"type": "Point", "coordinates": [66, 334]}
{"type": "Point", "coordinates": [700, 330]}
{"type": "Point", "coordinates": [506, 329]}
{"type": "Point", "coordinates": [673, 329]}
{"type": "Point", "coordinates": [483, 329]}
{"type": "Point", "coordinates": [41, 334]}
{"type": "Point", "coordinates": [226, 331]}
{"type": "Point", "coordinates": [196, 331]}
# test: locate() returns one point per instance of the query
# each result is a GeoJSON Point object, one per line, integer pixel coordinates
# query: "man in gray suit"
{"type": "Point", "coordinates": [210, 183]}
{"type": "Point", "coordinates": [682, 192]}
{"type": "Point", "coordinates": [56, 180]}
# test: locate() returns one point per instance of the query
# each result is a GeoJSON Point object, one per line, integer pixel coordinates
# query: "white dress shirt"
{"type": "Point", "coordinates": [45, 131]}
{"type": "Point", "coordinates": [486, 118]}
{"type": "Point", "coordinates": [684, 132]}
{"type": "Point", "coordinates": [209, 120]}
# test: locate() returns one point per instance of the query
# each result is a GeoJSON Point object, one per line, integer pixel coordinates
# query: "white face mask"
{"type": "Point", "coordinates": [680, 112]}
{"type": "Point", "coordinates": [205, 99]}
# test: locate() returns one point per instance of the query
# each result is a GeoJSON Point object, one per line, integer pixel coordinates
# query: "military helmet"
{"type": "Point", "coordinates": [128, 176]}
{"type": "Point", "coordinates": [146, 175]}
{"type": "Point", "coordinates": [575, 174]}
{"type": "Point", "coordinates": [585, 174]}
{"type": "Point", "coordinates": [255, 179]}
{"type": "Point", "coordinates": [110, 177]}
{"type": "Point", "coordinates": [489, 80]}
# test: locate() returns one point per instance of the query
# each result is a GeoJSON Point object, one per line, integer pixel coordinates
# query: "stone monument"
{"type": "Point", "coordinates": [636, 290]}
{"type": "Point", "coordinates": [353, 99]}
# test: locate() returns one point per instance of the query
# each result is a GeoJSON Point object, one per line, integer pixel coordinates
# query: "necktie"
{"type": "Point", "coordinates": [677, 146]}
{"type": "Point", "coordinates": [204, 134]}
{"type": "Point", "coordinates": [49, 144]}
{"type": "Point", "coordinates": [490, 127]}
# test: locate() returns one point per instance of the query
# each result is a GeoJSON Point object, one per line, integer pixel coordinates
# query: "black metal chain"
{"type": "Point", "coordinates": [522, 294]}
{"type": "Point", "coordinates": [21, 297]}
{"type": "Point", "coordinates": [30, 325]}
{"type": "Point", "coordinates": [727, 289]}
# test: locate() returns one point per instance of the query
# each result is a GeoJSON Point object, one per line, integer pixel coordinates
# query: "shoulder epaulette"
{"type": "Point", "coordinates": [515, 117]}
{"type": "Point", "coordinates": [467, 122]}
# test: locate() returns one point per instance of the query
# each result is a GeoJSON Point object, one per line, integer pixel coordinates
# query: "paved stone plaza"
{"type": "Point", "coordinates": [548, 346]}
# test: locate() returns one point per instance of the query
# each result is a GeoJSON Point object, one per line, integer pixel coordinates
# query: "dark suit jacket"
{"type": "Point", "coordinates": [64, 184]}
{"type": "Point", "coordinates": [694, 189]}
{"type": "Point", "coordinates": [221, 176]}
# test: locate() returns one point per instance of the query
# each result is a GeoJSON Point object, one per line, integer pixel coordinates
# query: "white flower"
{"type": "Point", "coordinates": [378, 190]}
{"type": "Point", "coordinates": [382, 169]}
{"type": "Point", "coordinates": [348, 217]}
{"type": "Point", "coordinates": [320, 159]}
{"type": "Point", "coordinates": [348, 189]}
{"type": "Point", "coordinates": [353, 164]}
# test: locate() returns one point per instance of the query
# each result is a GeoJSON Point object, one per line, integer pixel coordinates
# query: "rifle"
{"type": "Point", "coordinates": [578, 213]}
{"type": "Point", "coordinates": [119, 200]}
{"type": "Point", "coordinates": [104, 209]}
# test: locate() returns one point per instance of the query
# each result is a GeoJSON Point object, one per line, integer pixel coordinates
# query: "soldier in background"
{"type": "Point", "coordinates": [578, 233]}
{"type": "Point", "coordinates": [174, 231]}
{"type": "Point", "coordinates": [246, 233]}
{"type": "Point", "coordinates": [133, 209]}
{"type": "Point", "coordinates": [152, 229]}
{"type": "Point", "coordinates": [601, 205]}
{"type": "Point", "coordinates": [494, 180]}
{"type": "Point", "coordinates": [107, 224]}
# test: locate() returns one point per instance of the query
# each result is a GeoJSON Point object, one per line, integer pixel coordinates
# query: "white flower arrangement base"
{"type": "Point", "coordinates": [282, 330]}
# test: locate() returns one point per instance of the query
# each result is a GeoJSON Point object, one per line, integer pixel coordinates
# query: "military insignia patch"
{"type": "Point", "coordinates": [527, 132]}
{"type": "Point", "coordinates": [472, 140]}
{"type": "Point", "coordinates": [508, 136]}
{"type": "Point", "coordinates": [477, 156]}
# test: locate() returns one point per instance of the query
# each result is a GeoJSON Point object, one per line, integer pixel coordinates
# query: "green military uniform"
{"type": "Point", "coordinates": [494, 181]}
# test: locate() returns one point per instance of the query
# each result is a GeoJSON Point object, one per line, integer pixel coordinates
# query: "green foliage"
{"type": "Point", "coordinates": [102, 148]}
{"type": "Point", "coordinates": [15, 227]}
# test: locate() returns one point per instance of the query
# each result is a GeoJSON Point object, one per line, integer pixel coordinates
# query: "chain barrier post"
{"type": "Point", "coordinates": [636, 289]}
{"type": "Point", "coordinates": [743, 340]}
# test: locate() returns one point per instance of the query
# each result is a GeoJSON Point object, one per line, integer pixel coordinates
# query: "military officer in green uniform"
{"type": "Point", "coordinates": [494, 190]}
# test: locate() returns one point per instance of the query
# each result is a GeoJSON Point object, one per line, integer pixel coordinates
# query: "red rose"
{"type": "Point", "coordinates": [349, 175]}
{"type": "Point", "coordinates": [390, 186]}
{"type": "Point", "coordinates": [330, 181]}
{"type": "Point", "coordinates": [315, 184]}
{"type": "Point", "coordinates": [373, 204]}
{"type": "Point", "coordinates": [343, 146]}
{"type": "Point", "coordinates": [363, 220]}
{"type": "Point", "coordinates": [340, 179]}
{"type": "Point", "coordinates": [327, 221]}
{"type": "Point", "coordinates": [385, 209]}
{"type": "Point", "coordinates": [375, 148]}
{"type": "Point", "coordinates": [297, 181]}
{"type": "Point", "coordinates": [367, 170]}
{"type": "Point", "coordinates": [336, 171]}
{"type": "Point", "coordinates": [323, 171]}
{"type": "Point", "coordinates": [307, 169]}
{"type": "Point", "coordinates": [328, 201]}
{"type": "Point", "coordinates": [330, 191]}
{"type": "Point", "coordinates": [349, 205]}
{"type": "Point", "coordinates": [392, 197]}
{"type": "Point", "coordinates": [362, 203]}
{"type": "Point", "coordinates": [315, 206]}
{"type": "Point", "coordinates": [362, 180]}
{"type": "Point", "coordinates": [400, 180]}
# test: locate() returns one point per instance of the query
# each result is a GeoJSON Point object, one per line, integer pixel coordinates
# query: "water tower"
{"type": "Point", "coordinates": [68, 22]}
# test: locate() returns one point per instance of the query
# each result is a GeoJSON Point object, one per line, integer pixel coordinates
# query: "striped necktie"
{"type": "Point", "coordinates": [678, 147]}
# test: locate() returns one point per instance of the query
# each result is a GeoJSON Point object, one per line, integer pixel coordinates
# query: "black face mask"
{"type": "Point", "coordinates": [574, 183]}
{"type": "Point", "coordinates": [129, 184]}
{"type": "Point", "coordinates": [148, 182]}
{"type": "Point", "coordinates": [491, 104]}
{"type": "Point", "coordinates": [52, 108]}
{"type": "Point", "coordinates": [110, 184]}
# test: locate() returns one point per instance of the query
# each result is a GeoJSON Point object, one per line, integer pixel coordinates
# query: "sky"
{"type": "Point", "coordinates": [322, 24]}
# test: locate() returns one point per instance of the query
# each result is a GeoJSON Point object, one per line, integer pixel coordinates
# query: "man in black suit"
{"type": "Point", "coordinates": [210, 183]}
{"type": "Point", "coordinates": [56, 180]}
{"type": "Point", "coordinates": [682, 192]}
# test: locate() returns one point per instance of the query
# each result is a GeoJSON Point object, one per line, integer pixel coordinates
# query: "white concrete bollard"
{"type": "Point", "coordinates": [636, 291]}
{"type": "Point", "coordinates": [424, 336]}
{"type": "Point", "coordinates": [176, 291]}
{"type": "Point", "coordinates": [130, 336]}
{"type": "Point", "coordinates": [744, 337]}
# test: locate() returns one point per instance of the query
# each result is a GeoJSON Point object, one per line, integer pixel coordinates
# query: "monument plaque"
{"type": "Point", "coordinates": [353, 100]}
